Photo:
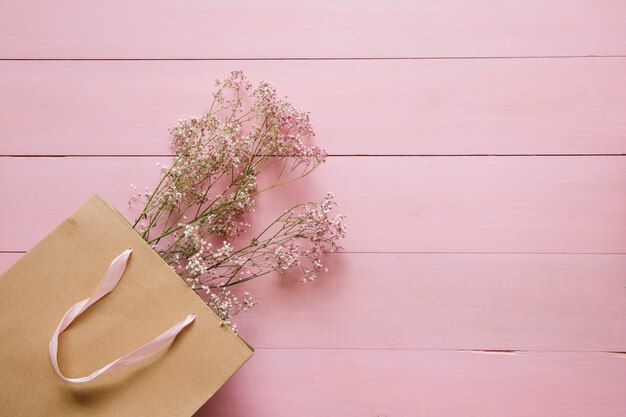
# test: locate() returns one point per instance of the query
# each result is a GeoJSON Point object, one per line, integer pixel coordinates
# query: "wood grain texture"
{"type": "Point", "coordinates": [392, 383]}
{"type": "Point", "coordinates": [516, 106]}
{"type": "Point", "coordinates": [396, 204]}
{"type": "Point", "coordinates": [471, 286]}
{"type": "Point", "coordinates": [443, 301]}
{"type": "Point", "coordinates": [311, 29]}
{"type": "Point", "coordinates": [448, 301]}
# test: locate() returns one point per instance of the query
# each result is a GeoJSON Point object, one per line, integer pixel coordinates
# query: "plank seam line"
{"type": "Point", "coordinates": [428, 253]}
{"type": "Point", "coordinates": [424, 58]}
{"type": "Point", "coordinates": [506, 155]}
{"type": "Point", "coordinates": [486, 351]}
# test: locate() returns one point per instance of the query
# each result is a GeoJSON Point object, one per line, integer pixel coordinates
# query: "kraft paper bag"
{"type": "Point", "coordinates": [66, 267]}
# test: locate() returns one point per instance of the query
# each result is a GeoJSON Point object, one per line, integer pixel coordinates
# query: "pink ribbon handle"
{"type": "Point", "coordinates": [107, 284]}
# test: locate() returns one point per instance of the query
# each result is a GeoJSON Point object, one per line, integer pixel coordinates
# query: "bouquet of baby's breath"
{"type": "Point", "coordinates": [194, 217]}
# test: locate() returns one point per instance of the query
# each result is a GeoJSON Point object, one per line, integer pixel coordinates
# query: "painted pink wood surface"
{"type": "Point", "coordinates": [512, 106]}
{"type": "Point", "coordinates": [448, 258]}
{"type": "Point", "coordinates": [410, 383]}
{"type": "Point", "coordinates": [311, 383]}
{"type": "Point", "coordinates": [8, 259]}
{"type": "Point", "coordinates": [446, 302]}
{"type": "Point", "coordinates": [396, 204]}
{"type": "Point", "coordinates": [310, 29]}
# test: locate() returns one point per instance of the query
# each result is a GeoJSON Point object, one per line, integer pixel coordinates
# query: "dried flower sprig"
{"type": "Point", "coordinates": [212, 183]}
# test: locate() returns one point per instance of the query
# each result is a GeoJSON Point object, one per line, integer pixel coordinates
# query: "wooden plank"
{"type": "Point", "coordinates": [443, 301]}
{"type": "Point", "coordinates": [396, 204]}
{"type": "Point", "coordinates": [353, 382]}
{"type": "Point", "coordinates": [390, 383]}
{"type": "Point", "coordinates": [411, 301]}
{"type": "Point", "coordinates": [517, 106]}
{"type": "Point", "coordinates": [8, 259]}
{"type": "Point", "coordinates": [312, 28]}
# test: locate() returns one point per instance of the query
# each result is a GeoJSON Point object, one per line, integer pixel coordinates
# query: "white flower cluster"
{"type": "Point", "coordinates": [207, 192]}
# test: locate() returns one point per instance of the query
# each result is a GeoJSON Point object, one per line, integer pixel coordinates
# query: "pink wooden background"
{"type": "Point", "coordinates": [478, 147]}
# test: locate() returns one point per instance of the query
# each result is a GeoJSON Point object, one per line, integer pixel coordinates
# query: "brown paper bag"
{"type": "Point", "coordinates": [65, 267]}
